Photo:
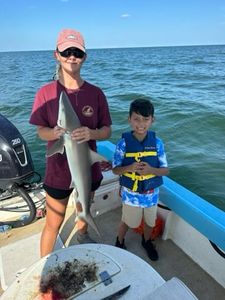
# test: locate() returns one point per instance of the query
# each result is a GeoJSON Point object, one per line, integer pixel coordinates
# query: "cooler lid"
{"type": "Point", "coordinates": [28, 285]}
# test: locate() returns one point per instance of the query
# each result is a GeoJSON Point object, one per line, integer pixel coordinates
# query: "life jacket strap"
{"type": "Point", "coordinates": [138, 155]}
{"type": "Point", "coordinates": [133, 176]}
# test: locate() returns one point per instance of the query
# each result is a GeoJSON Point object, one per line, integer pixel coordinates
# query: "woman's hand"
{"type": "Point", "coordinates": [82, 134]}
{"type": "Point", "coordinates": [50, 134]}
{"type": "Point", "coordinates": [58, 132]}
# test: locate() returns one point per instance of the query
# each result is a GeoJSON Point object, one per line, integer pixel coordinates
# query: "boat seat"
{"type": "Point", "coordinates": [173, 289]}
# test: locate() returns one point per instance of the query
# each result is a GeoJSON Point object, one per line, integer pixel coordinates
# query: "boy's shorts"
{"type": "Point", "coordinates": [132, 215]}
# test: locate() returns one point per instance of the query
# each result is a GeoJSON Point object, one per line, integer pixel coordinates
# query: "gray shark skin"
{"type": "Point", "coordinates": [80, 157]}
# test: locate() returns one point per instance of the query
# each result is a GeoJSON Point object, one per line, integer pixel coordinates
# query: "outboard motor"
{"type": "Point", "coordinates": [15, 166]}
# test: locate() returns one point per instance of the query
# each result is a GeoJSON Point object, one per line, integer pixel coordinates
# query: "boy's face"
{"type": "Point", "coordinates": [140, 124]}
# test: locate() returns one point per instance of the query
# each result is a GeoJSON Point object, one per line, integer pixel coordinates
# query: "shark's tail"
{"type": "Point", "coordinates": [88, 218]}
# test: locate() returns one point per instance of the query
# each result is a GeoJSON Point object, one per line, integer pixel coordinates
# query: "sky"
{"type": "Point", "coordinates": [34, 24]}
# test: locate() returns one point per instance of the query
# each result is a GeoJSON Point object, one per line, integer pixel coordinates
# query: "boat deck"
{"type": "Point", "coordinates": [20, 248]}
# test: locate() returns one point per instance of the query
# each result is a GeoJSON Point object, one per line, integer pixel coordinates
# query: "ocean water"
{"type": "Point", "coordinates": [186, 85]}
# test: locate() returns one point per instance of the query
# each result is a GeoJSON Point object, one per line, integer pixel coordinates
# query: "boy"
{"type": "Point", "coordinates": [141, 162]}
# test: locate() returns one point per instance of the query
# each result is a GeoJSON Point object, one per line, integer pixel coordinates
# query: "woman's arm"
{"type": "Point", "coordinates": [50, 134]}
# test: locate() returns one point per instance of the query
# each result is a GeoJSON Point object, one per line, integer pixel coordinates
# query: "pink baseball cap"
{"type": "Point", "coordinates": [70, 38]}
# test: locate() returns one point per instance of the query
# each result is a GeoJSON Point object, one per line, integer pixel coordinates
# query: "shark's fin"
{"type": "Point", "coordinates": [95, 157]}
{"type": "Point", "coordinates": [57, 147]}
{"type": "Point", "coordinates": [72, 185]}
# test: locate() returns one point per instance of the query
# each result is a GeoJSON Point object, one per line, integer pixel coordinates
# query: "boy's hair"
{"type": "Point", "coordinates": [142, 107]}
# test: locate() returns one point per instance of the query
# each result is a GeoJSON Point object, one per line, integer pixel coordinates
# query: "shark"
{"type": "Point", "coordinates": [79, 155]}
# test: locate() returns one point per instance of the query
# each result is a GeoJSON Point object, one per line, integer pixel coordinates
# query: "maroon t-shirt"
{"type": "Point", "coordinates": [91, 107]}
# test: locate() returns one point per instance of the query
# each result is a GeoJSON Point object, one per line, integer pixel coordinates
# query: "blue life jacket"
{"type": "Point", "coordinates": [140, 151]}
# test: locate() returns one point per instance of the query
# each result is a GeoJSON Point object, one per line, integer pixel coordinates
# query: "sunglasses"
{"type": "Point", "coordinates": [72, 51]}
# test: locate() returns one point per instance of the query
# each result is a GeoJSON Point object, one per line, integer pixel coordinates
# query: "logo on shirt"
{"type": "Point", "coordinates": [87, 111]}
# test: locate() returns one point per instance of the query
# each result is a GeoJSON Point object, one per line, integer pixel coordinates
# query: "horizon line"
{"type": "Point", "coordinates": [108, 48]}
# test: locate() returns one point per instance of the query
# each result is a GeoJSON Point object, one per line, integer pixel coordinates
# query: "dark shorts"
{"type": "Point", "coordinates": [62, 194]}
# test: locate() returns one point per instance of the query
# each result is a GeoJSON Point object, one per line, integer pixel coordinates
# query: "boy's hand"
{"type": "Point", "coordinates": [144, 168]}
{"type": "Point", "coordinates": [137, 167]}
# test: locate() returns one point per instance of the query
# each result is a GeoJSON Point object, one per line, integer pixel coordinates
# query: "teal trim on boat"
{"type": "Point", "coordinates": [106, 149]}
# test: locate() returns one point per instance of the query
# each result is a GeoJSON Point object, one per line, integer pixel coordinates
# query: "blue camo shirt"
{"type": "Point", "coordinates": [132, 198]}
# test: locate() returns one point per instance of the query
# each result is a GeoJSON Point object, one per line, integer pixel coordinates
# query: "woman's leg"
{"type": "Point", "coordinates": [55, 213]}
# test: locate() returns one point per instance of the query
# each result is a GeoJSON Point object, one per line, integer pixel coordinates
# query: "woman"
{"type": "Point", "coordinates": [91, 106]}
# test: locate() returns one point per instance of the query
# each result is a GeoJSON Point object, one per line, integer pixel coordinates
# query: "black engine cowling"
{"type": "Point", "coordinates": [15, 159]}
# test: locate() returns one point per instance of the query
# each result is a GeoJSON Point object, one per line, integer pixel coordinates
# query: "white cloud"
{"type": "Point", "coordinates": [125, 16]}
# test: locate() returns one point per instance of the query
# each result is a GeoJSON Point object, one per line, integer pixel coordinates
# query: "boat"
{"type": "Point", "coordinates": [191, 245]}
